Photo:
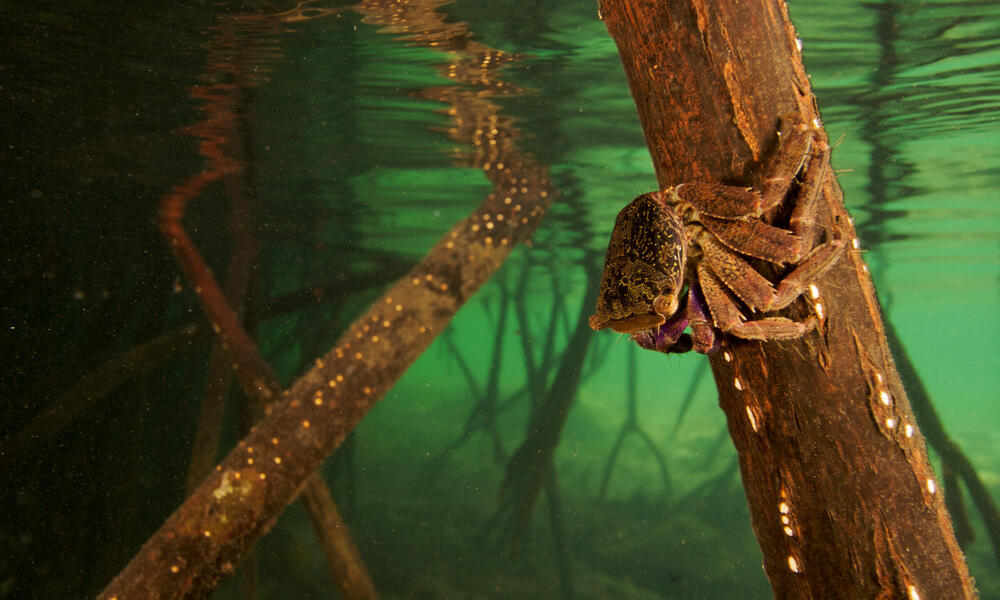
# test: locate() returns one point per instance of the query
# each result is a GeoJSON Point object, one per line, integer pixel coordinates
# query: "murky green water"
{"type": "Point", "coordinates": [347, 165]}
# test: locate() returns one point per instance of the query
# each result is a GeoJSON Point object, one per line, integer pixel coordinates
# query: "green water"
{"type": "Point", "coordinates": [355, 182]}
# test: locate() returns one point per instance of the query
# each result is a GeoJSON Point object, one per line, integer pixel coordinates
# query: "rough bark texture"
{"type": "Point", "coordinates": [842, 497]}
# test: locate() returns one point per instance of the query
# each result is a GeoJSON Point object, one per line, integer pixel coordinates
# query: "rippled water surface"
{"type": "Point", "coordinates": [315, 153]}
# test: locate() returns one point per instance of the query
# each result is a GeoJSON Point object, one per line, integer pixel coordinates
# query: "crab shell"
{"type": "Point", "coordinates": [643, 269]}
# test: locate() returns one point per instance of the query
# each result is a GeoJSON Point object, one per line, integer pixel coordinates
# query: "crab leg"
{"type": "Point", "coordinates": [727, 315]}
{"type": "Point", "coordinates": [756, 238]}
{"type": "Point", "coordinates": [796, 145]}
{"type": "Point", "coordinates": [753, 288]}
{"type": "Point", "coordinates": [812, 266]}
{"type": "Point", "coordinates": [724, 201]}
{"type": "Point", "coordinates": [803, 219]}
{"type": "Point", "coordinates": [702, 334]}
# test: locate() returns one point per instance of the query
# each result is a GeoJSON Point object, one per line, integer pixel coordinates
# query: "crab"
{"type": "Point", "coordinates": [678, 257]}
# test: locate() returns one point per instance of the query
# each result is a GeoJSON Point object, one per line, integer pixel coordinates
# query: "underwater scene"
{"type": "Point", "coordinates": [201, 198]}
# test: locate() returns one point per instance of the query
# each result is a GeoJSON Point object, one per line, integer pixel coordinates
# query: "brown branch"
{"type": "Point", "coordinates": [227, 148]}
{"type": "Point", "coordinates": [201, 542]}
{"type": "Point", "coordinates": [244, 231]}
{"type": "Point", "coordinates": [842, 496]}
{"type": "Point", "coordinates": [208, 433]}
{"type": "Point", "coordinates": [215, 527]}
{"type": "Point", "coordinates": [349, 576]}
{"type": "Point", "coordinates": [97, 384]}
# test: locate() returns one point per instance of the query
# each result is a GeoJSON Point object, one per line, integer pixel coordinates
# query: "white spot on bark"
{"type": "Point", "coordinates": [793, 564]}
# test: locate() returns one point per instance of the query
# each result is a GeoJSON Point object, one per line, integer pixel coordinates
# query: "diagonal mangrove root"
{"type": "Point", "coordinates": [217, 525]}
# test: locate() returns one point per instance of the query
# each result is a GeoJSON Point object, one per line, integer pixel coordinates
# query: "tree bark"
{"type": "Point", "coordinates": [842, 497]}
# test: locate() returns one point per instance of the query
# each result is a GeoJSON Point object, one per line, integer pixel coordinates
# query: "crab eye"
{"type": "Point", "coordinates": [665, 304]}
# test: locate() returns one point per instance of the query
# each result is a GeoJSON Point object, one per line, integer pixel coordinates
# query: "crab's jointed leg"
{"type": "Point", "coordinates": [812, 266]}
{"type": "Point", "coordinates": [728, 318]}
{"type": "Point", "coordinates": [796, 146]}
{"type": "Point", "coordinates": [702, 334]}
{"type": "Point", "coordinates": [753, 288]}
{"type": "Point", "coordinates": [721, 201]}
{"type": "Point", "coordinates": [803, 219]}
{"type": "Point", "coordinates": [756, 238]}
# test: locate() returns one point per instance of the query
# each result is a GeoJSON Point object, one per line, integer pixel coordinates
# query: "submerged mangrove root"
{"type": "Point", "coordinates": [553, 506]}
{"type": "Point", "coordinates": [536, 375]}
{"type": "Point", "coordinates": [225, 133]}
{"type": "Point", "coordinates": [96, 386]}
{"type": "Point", "coordinates": [954, 462]}
{"type": "Point", "coordinates": [824, 430]}
{"type": "Point", "coordinates": [215, 527]}
{"type": "Point", "coordinates": [488, 405]}
{"type": "Point", "coordinates": [530, 466]}
{"type": "Point", "coordinates": [631, 425]}
{"type": "Point", "coordinates": [688, 400]}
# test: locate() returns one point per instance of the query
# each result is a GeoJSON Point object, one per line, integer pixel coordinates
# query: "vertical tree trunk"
{"type": "Point", "coordinates": [842, 497]}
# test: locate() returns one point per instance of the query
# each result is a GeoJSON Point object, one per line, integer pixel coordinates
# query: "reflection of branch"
{"type": "Point", "coordinates": [221, 145]}
{"type": "Point", "coordinates": [220, 521]}
{"type": "Point", "coordinates": [229, 59]}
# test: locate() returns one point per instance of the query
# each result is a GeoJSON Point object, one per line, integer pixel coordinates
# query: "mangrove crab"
{"type": "Point", "coordinates": [697, 237]}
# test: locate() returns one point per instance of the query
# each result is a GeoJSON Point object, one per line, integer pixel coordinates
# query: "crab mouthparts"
{"type": "Point", "coordinates": [636, 323]}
